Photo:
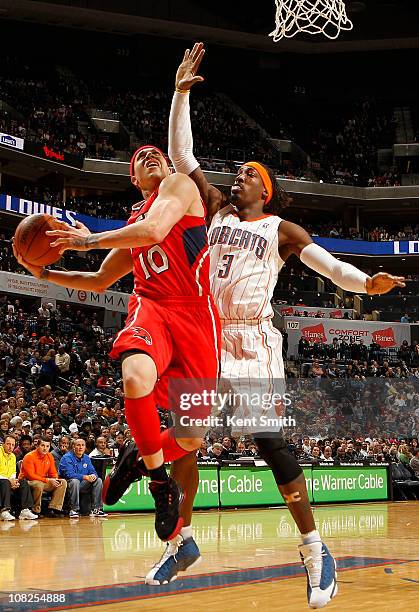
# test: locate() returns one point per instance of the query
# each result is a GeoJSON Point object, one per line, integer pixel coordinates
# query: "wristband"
{"type": "Point", "coordinates": [182, 91]}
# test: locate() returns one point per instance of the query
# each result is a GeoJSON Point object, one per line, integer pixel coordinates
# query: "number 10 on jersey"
{"type": "Point", "coordinates": [157, 260]}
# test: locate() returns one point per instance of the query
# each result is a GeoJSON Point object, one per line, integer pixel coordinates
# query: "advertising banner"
{"type": "Point", "coordinates": [235, 486]}
{"type": "Point", "coordinates": [252, 486]}
{"type": "Point", "coordinates": [343, 484]}
{"type": "Point", "coordinates": [256, 486]}
{"type": "Point", "coordinates": [11, 141]}
{"type": "Point", "coordinates": [53, 154]}
{"type": "Point", "coordinates": [137, 497]}
{"type": "Point", "coordinates": [364, 247]}
{"type": "Point", "coordinates": [24, 207]}
{"type": "Point", "coordinates": [312, 311]}
{"type": "Point", "coordinates": [385, 334]}
{"type": "Point", "coordinates": [29, 285]}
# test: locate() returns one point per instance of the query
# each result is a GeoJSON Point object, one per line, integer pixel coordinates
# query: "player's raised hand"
{"type": "Point", "coordinates": [34, 270]}
{"type": "Point", "coordinates": [383, 283]}
{"type": "Point", "coordinates": [71, 238]}
{"type": "Point", "coordinates": [186, 73]}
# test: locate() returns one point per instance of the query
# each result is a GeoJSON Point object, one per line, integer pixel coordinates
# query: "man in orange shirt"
{"type": "Point", "coordinates": [38, 468]}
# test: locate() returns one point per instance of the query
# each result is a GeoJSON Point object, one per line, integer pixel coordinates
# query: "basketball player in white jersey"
{"type": "Point", "coordinates": [248, 247]}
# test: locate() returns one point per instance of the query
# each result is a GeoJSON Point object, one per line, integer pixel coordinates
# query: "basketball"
{"type": "Point", "coordinates": [32, 243]}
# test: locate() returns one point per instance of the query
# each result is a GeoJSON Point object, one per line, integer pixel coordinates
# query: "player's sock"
{"type": "Point", "coordinates": [186, 532]}
{"type": "Point", "coordinates": [159, 474]}
{"type": "Point", "coordinates": [144, 422]}
{"type": "Point", "coordinates": [170, 446]}
{"type": "Point", "coordinates": [309, 538]}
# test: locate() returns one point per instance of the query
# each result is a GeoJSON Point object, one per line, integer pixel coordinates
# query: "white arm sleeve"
{"type": "Point", "coordinates": [344, 275]}
{"type": "Point", "coordinates": [180, 135]}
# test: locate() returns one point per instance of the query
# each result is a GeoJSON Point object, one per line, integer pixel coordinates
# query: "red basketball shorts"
{"type": "Point", "coordinates": [181, 335]}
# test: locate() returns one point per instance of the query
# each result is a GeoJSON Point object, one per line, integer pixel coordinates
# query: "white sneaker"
{"type": "Point", "coordinates": [6, 516]}
{"type": "Point", "coordinates": [27, 515]}
{"type": "Point", "coordinates": [73, 514]}
{"type": "Point", "coordinates": [320, 568]}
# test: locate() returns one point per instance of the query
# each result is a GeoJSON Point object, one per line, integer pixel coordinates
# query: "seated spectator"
{"type": "Point", "coordinates": [251, 451]}
{"type": "Point", "coordinates": [62, 448]}
{"type": "Point", "coordinates": [65, 417]}
{"type": "Point", "coordinates": [62, 361]}
{"type": "Point", "coordinates": [218, 452]}
{"type": "Point", "coordinates": [202, 453]}
{"type": "Point", "coordinates": [76, 467]}
{"type": "Point", "coordinates": [25, 445]}
{"type": "Point", "coordinates": [38, 468]}
{"type": "Point", "coordinates": [240, 448]}
{"type": "Point", "coordinates": [340, 454]}
{"type": "Point", "coordinates": [404, 455]}
{"type": "Point", "coordinates": [102, 449]}
{"type": "Point", "coordinates": [414, 462]}
{"type": "Point", "coordinates": [4, 428]}
{"type": "Point", "coordinates": [118, 442]}
{"type": "Point", "coordinates": [11, 486]}
{"type": "Point", "coordinates": [327, 454]}
{"type": "Point", "coordinates": [351, 454]}
{"type": "Point", "coordinates": [315, 454]}
{"type": "Point", "coordinates": [76, 388]}
{"type": "Point", "coordinates": [228, 444]}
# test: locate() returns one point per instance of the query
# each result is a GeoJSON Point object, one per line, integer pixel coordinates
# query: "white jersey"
{"type": "Point", "coordinates": [244, 264]}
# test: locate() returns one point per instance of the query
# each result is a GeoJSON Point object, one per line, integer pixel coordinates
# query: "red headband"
{"type": "Point", "coordinates": [134, 157]}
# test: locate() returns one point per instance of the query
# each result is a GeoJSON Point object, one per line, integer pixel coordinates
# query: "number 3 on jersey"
{"type": "Point", "coordinates": [225, 271]}
{"type": "Point", "coordinates": [157, 260]}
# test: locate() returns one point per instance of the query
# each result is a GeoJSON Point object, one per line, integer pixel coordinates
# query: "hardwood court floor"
{"type": "Point", "coordinates": [250, 561]}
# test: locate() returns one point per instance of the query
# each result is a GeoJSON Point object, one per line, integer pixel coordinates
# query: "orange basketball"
{"type": "Point", "coordinates": [33, 244]}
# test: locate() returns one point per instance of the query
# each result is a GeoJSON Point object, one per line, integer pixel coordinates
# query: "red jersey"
{"type": "Point", "coordinates": [178, 266]}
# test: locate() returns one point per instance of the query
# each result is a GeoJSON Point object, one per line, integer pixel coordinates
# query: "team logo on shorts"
{"type": "Point", "coordinates": [140, 332]}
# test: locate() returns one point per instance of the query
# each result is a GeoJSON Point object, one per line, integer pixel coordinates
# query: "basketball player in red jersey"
{"type": "Point", "coordinates": [172, 328]}
{"type": "Point", "coordinates": [247, 249]}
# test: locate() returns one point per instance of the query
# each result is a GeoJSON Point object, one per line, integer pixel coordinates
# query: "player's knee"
{"type": "Point", "coordinates": [139, 375]}
{"type": "Point", "coordinates": [282, 462]}
{"type": "Point", "coordinates": [189, 444]}
{"type": "Point", "coordinates": [134, 386]}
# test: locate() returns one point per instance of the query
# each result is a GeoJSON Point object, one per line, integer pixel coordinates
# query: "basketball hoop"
{"type": "Point", "coordinates": [326, 17]}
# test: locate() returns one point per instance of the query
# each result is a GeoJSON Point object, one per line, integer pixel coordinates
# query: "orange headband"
{"type": "Point", "coordinates": [266, 179]}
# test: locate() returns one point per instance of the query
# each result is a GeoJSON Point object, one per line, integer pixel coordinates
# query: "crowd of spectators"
{"type": "Point", "coordinates": [50, 104]}
{"type": "Point", "coordinates": [332, 449]}
{"type": "Point", "coordinates": [60, 393]}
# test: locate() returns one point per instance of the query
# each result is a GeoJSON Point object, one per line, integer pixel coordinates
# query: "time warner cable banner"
{"type": "Point", "coordinates": [24, 207]}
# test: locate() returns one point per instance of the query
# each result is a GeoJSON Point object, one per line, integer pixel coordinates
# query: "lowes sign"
{"type": "Point", "coordinates": [24, 207]}
{"type": "Point", "coordinates": [363, 247]}
{"type": "Point", "coordinates": [11, 141]}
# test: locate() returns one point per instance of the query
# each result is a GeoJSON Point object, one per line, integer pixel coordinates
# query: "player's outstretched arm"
{"type": "Point", "coordinates": [117, 263]}
{"type": "Point", "coordinates": [180, 130]}
{"type": "Point", "coordinates": [177, 196]}
{"type": "Point", "coordinates": [294, 239]}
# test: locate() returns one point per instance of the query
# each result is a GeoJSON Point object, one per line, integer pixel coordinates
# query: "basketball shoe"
{"type": "Point", "coordinates": [167, 498]}
{"type": "Point", "coordinates": [320, 568]}
{"type": "Point", "coordinates": [179, 556]}
{"type": "Point", "coordinates": [126, 470]}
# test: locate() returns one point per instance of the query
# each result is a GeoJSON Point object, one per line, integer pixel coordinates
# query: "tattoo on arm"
{"type": "Point", "coordinates": [91, 241]}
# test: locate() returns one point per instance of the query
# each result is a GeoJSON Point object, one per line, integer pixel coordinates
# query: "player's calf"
{"type": "Point", "coordinates": [319, 564]}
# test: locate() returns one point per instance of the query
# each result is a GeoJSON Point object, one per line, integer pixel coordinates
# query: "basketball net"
{"type": "Point", "coordinates": [326, 17]}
